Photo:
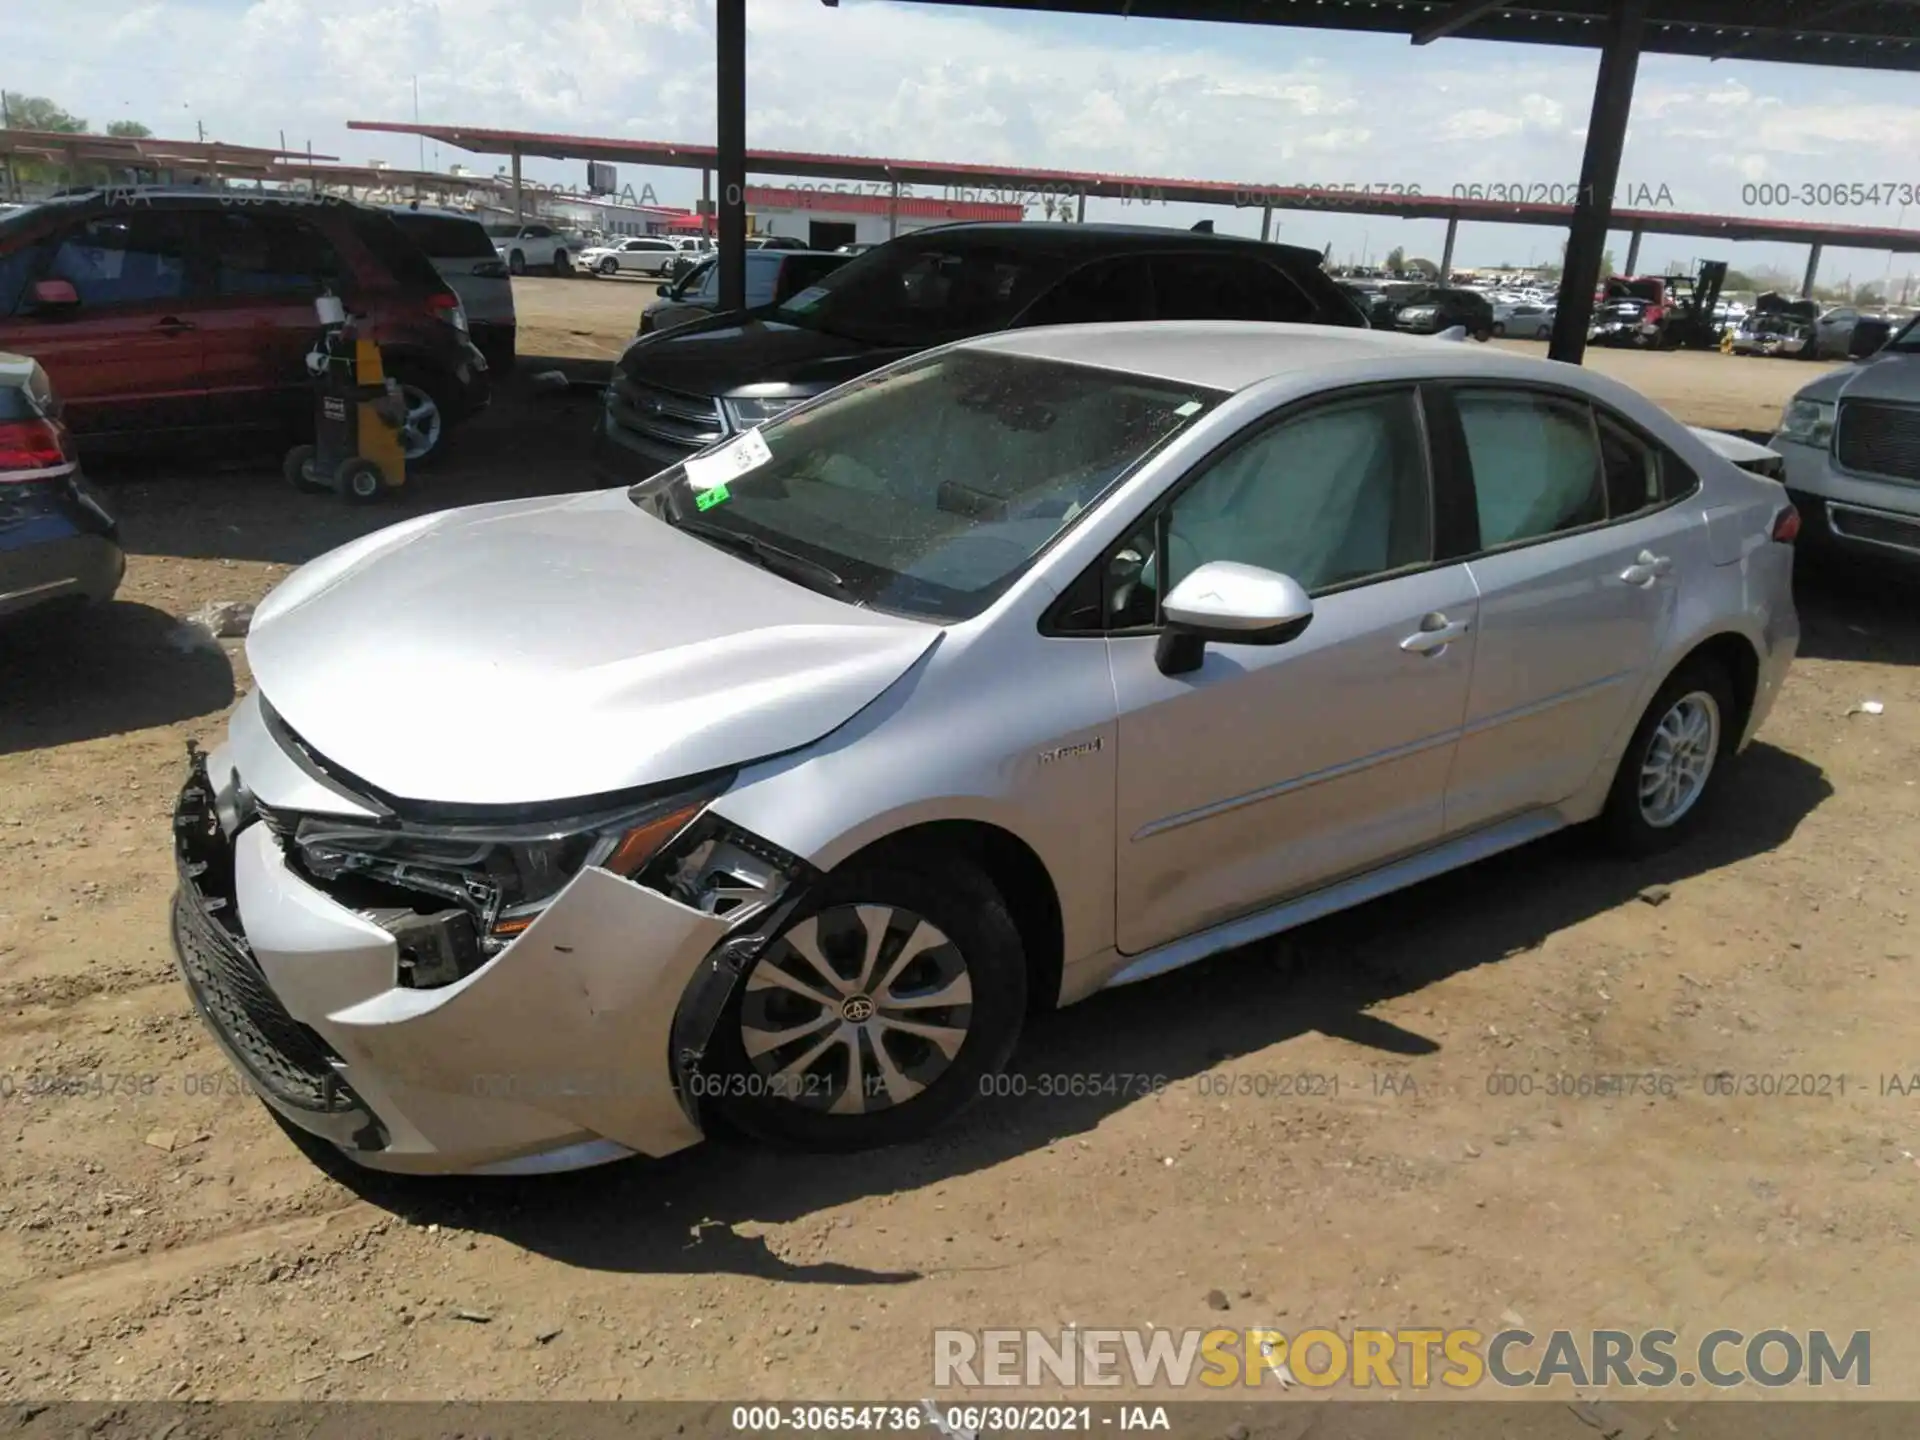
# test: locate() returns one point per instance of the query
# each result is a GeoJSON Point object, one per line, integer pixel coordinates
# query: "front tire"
{"type": "Point", "coordinates": [1499, 330]}
{"type": "Point", "coordinates": [1672, 765]}
{"type": "Point", "coordinates": [609, 266]}
{"type": "Point", "coordinates": [562, 266]}
{"type": "Point", "coordinates": [886, 1006]}
{"type": "Point", "coordinates": [517, 262]}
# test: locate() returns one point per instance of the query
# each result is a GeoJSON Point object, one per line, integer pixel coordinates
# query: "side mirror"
{"type": "Point", "coordinates": [55, 295]}
{"type": "Point", "coordinates": [663, 290]}
{"type": "Point", "coordinates": [1230, 603]}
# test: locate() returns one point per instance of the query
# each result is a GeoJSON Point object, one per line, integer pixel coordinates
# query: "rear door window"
{"type": "Point", "coordinates": [258, 253]}
{"type": "Point", "coordinates": [136, 256]}
{"type": "Point", "coordinates": [1536, 464]}
{"type": "Point", "coordinates": [1227, 287]}
{"type": "Point", "coordinates": [1119, 289]}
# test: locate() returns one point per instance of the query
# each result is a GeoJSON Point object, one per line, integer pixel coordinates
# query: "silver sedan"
{"type": "Point", "coordinates": [781, 787]}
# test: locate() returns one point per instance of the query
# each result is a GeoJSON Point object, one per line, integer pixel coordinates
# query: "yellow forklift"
{"type": "Point", "coordinates": [356, 450]}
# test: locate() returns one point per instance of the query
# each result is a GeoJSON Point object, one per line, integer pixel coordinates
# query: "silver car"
{"type": "Point", "coordinates": [783, 787]}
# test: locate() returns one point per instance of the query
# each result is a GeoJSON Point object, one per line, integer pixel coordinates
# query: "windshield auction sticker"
{"type": "Point", "coordinates": [707, 473]}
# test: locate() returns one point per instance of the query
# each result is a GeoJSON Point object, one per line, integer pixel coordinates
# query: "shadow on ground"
{"type": "Point", "coordinates": [92, 673]}
{"type": "Point", "coordinates": [696, 1211]}
{"type": "Point", "coordinates": [1857, 612]}
{"type": "Point", "coordinates": [235, 506]}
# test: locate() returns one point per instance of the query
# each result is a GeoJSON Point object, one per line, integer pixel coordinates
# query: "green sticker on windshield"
{"type": "Point", "coordinates": [707, 499]}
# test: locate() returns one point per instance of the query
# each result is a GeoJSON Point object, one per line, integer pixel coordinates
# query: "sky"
{"type": "Point", "coordinates": [1256, 105]}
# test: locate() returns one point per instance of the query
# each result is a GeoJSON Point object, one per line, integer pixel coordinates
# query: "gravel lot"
{"type": "Point", "coordinates": [161, 1237]}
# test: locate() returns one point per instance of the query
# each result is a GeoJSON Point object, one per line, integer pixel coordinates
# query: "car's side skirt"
{"type": "Point", "coordinates": [1357, 890]}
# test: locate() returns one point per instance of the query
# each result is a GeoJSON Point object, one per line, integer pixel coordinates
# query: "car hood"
{"type": "Point", "coordinates": [722, 353]}
{"type": "Point", "coordinates": [546, 649]}
{"type": "Point", "coordinates": [1888, 375]}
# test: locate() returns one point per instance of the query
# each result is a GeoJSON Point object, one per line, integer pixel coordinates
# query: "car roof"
{"type": "Point", "coordinates": [433, 212]}
{"type": "Point", "coordinates": [1232, 355]}
{"type": "Point", "coordinates": [1104, 239]}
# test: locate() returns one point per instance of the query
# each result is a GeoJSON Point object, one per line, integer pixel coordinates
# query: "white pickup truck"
{"type": "Point", "coordinates": [1851, 442]}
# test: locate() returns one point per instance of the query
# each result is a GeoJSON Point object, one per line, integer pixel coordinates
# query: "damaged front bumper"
{"type": "Point", "coordinates": [569, 1047]}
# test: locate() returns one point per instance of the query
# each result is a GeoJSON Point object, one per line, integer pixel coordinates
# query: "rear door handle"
{"type": "Point", "coordinates": [1436, 632]}
{"type": "Point", "coordinates": [173, 325]}
{"type": "Point", "coordinates": [1647, 567]}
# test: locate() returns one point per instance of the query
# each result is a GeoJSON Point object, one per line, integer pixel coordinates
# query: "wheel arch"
{"type": "Point", "coordinates": [1015, 870]}
{"type": "Point", "coordinates": [1739, 659]}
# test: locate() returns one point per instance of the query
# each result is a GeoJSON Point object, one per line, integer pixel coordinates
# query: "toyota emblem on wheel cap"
{"type": "Point", "coordinates": [857, 1010]}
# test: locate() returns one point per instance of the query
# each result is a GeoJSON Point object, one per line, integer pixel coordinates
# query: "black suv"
{"type": "Point", "coordinates": [681, 390]}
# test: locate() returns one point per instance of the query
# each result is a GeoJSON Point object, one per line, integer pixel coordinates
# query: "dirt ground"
{"type": "Point", "coordinates": [161, 1237]}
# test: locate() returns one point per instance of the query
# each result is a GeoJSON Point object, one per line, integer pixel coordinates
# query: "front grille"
{"type": "Point", "coordinates": [1876, 437]}
{"type": "Point", "coordinates": [690, 422]}
{"type": "Point", "coordinates": [283, 1056]}
{"type": "Point", "coordinates": [1874, 525]}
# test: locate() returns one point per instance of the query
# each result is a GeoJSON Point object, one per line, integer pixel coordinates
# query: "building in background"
{"type": "Point", "coordinates": [830, 213]}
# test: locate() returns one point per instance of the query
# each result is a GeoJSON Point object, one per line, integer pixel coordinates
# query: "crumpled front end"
{"type": "Point", "coordinates": [388, 1033]}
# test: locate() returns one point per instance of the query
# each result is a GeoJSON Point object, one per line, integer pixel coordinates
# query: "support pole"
{"type": "Point", "coordinates": [730, 39]}
{"type": "Point", "coordinates": [519, 211]}
{"type": "Point", "coordinates": [1633, 254]}
{"type": "Point", "coordinates": [1266, 223]}
{"type": "Point", "coordinates": [1080, 213]}
{"type": "Point", "coordinates": [1446, 251]}
{"type": "Point", "coordinates": [893, 211]}
{"type": "Point", "coordinates": [1813, 269]}
{"type": "Point", "coordinates": [1599, 173]}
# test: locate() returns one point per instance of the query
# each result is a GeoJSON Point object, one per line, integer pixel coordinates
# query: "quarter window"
{"type": "Point", "coordinates": [1633, 471]}
{"type": "Point", "coordinates": [1536, 466]}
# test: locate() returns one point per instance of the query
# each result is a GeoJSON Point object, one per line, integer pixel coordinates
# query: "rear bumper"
{"type": "Point", "coordinates": [496, 340]}
{"type": "Point", "coordinates": [58, 545]}
{"type": "Point", "coordinates": [553, 1054]}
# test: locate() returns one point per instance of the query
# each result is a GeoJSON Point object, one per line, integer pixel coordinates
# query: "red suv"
{"type": "Point", "coordinates": [168, 314]}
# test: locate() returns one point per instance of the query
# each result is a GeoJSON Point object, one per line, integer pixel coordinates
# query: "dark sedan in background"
{"type": "Point", "coordinates": [58, 544]}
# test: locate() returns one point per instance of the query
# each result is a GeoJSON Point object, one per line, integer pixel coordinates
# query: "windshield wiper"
{"type": "Point", "coordinates": [768, 556]}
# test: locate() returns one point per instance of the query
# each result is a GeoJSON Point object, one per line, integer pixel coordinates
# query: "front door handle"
{"type": "Point", "coordinates": [1436, 632]}
{"type": "Point", "coordinates": [173, 325]}
{"type": "Point", "coordinates": [1647, 567]}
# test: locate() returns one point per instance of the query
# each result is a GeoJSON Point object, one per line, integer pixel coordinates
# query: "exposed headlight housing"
{"type": "Point", "coordinates": [1808, 421]}
{"type": "Point", "coordinates": [746, 411]}
{"type": "Point", "coordinates": [504, 874]}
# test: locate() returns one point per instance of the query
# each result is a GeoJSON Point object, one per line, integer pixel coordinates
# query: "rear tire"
{"type": "Point", "coordinates": [1672, 765]}
{"type": "Point", "coordinates": [850, 1075]}
{"type": "Point", "coordinates": [421, 386]}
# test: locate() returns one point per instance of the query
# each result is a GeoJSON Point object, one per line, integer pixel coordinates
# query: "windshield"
{"type": "Point", "coordinates": [926, 292]}
{"type": "Point", "coordinates": [926, 488]}
{"type": "Point", "coordinates": [1907, 339]}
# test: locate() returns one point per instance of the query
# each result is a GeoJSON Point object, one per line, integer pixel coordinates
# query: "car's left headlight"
{"type": "Point", "coordinates": [746, 411]}
{"type": "Point", "coordinates": [506, 874]}
{"type": "Point", "coordinates": [1808, 421]}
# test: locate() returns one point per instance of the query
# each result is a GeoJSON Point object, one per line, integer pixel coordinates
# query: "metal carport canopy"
{"type": "Point", "coordinates": [1854, 34]}
{"type": "Point", "coordinates": [883, 171]}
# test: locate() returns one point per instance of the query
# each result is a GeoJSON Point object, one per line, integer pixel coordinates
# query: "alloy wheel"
{"type": "Point", "coordinates": [420, 430]}
{"type": "Point", "coordinates": [1679, 759]}
{"type": "Point", "coordinates": [856, 1009]}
